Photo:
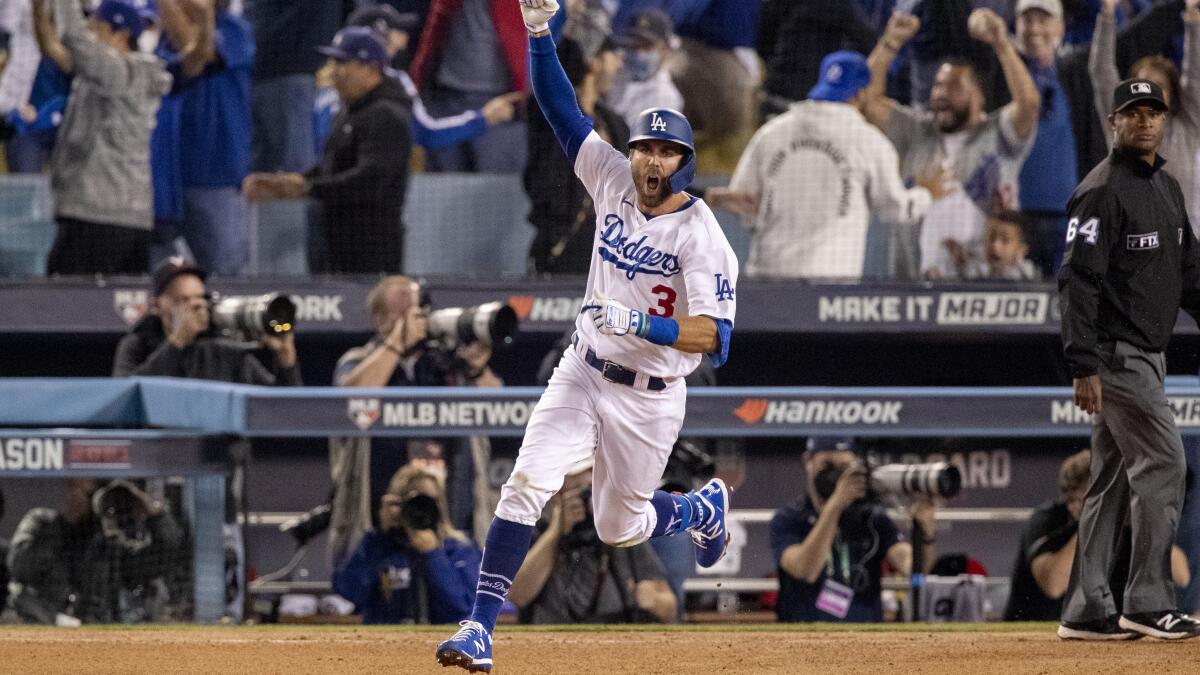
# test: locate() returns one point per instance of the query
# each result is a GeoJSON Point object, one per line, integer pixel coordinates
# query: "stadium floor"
{"type": "Point", "coordinates": [1022, 648]}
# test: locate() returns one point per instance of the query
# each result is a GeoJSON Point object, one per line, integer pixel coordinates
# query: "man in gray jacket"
{"type": "Point", "coordinates": [100, 169]}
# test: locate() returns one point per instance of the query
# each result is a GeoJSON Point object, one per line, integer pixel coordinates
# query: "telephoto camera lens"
{"type": "Point", "coordinates": [935, 479]}
{"type": "Point", "coordinates": [255, 317]}
{"type": "Point", "coordinates": [491, 324]}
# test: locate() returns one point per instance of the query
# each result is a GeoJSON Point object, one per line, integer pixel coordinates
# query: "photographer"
{"type": "Point", "coordinates": [570, 576]}
{"type": "Point", "coordinates": [175, 338]}
{"type": "Point", "coordinates": [831, 545]}
{"type": "Point", "coordinates": [402, 354]}
{"type": "Point", "coordinates": [107, 551]}
{"type": "Point", "coordinates": [415, 568]}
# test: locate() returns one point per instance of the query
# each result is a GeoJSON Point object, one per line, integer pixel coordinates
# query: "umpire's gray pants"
{"type": "Point", "coordinates": [1137, 470]}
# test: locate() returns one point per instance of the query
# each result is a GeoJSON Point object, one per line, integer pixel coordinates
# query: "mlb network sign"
{"type": "Point", "coordinates": [366, 412]}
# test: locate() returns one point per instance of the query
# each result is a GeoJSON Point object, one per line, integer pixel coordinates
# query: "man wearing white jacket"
{"type": "Point", "coordinates": [811, 179]}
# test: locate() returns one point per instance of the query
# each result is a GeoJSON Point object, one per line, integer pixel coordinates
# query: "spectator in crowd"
{"type": "Point", "coordinates": [645, 80]}
{"type": "Point", "coordinates": [1181, 141]}
{"type": "Point", "coordinates": [812, 177]}
{"type": "Point", "coordinates": [361, 179]}
{"type": "Point", "coordinates": [1050, 172]}
{"type": "Point", "coordinates": [175, 338]}
{"type": "Point", "coordinates": [37, 122]}
{"type": "Point", "coordinates": [21, 154]}
{"type": "Point", "coordinates": [563, 216]}
{"type": "Point", "coordinates": [983, 153]}
{"type": "Point", "coordinates": [1047, 550]}
{"type": "Point", "coordinates": [429, 133]}
{"type": "Point", "coordinates": [287, 34]}
{"type": "Point", "coordinates": [472, 51]}
{"type": "Point", "coordinates": [102, 193]}
{"type": "Point", "coordinates": [1006, 245]}
{"type": "Point", "coordinates": [570, 576]}
{"type": "Point", "coordinates": [206, 148]}
{"type": "Point", "coordinates": [415, 567]}
{"type": "Point", "coordinates": [97, 561]}
{"type": "Point", "coordinates": [718, 73]}
{"type": "Point", "coordinates": [400, 354]}
{"type": "Point", "coordinates": [794, 36]}
{"type": "Point", "coordinates": [831, 545]}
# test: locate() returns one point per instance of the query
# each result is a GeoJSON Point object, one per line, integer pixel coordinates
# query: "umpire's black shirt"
{"type": "Point", "coordinates": [1131, 260]}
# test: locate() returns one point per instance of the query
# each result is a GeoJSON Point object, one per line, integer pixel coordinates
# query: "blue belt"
{"type": "Point", "coordinates": [615, 372]}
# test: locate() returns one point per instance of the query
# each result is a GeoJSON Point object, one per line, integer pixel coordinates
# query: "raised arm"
{"type": "Point", "coordinates": [900, 29]}
{"type": "Point", "coordinates": [92, 59]}
{"type": "Point", "coordinates": [986, 26]}
{"type": "Point", "coordinates": [551, 88]}
{"type": "Point", "coordinates": [46, 32]}
{"type": "Point", "coordinates": [1189, 86]}
{"type": "Point", "coordinates": [1102, 62]}
{"type": "Point", "coordinates": [191, 26]}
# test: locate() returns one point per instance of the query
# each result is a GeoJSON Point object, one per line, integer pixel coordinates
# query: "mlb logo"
{"type": "Point", "coordinates": [1140, 88]}
{"type": "Point", "coordinates": [364, 412]}
{"type": "Point", "coordinates": [130, 304]}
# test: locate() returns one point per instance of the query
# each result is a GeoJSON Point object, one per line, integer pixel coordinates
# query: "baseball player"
{"type": "Point", "coordinates": [661, 289]}
{"type": "Point", "coordinates": [1131, 261]}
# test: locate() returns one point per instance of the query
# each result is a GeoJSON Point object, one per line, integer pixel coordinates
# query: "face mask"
{"type": "Point", "coordinates": [148, 41]}
{"type": "Point", "coordinates": [825, 482]}
{"type": "Point", "coordinates": [643, 64]}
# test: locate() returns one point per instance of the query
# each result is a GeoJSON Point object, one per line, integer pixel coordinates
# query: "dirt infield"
{"type": "Point", "coordinates": [765, 649]}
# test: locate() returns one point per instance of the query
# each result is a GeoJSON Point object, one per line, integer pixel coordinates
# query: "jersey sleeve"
{"type": "Point", "coordinates": [598, 164]}
{"type": "Point", "coordinates": [1093, 227]}
{"type": "Point", "coordinates": [710, 272]}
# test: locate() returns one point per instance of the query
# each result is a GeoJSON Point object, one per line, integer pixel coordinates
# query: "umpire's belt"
{"type": "Point", "coordinates": [615, 372]}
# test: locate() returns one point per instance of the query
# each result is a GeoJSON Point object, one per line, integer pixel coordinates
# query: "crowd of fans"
{"type": "Point", "coordinates": [947, 129]}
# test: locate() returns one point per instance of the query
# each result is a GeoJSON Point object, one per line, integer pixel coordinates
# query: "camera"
{"type": "Point", "coordinates": [420, 512]}
{"type": "Point", "coordinates": [304, 527]}
{"type": "Point", "coordinates": [255, 317]}
{"type": "Point", "coordinates": [492, 323]}
{"type": "Point", "coordinates": [934, 479]}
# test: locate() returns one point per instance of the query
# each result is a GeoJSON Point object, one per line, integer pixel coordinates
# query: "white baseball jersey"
{"type": "Point", "coordinates": [676, 264]}
{"type": "Point", "coordinates": [821, 169]}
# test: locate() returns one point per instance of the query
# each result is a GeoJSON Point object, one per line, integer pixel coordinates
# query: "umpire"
{"type": "Point", "coordinates": [1131, 261]}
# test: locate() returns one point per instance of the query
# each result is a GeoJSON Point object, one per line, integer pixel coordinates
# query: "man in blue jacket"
{"type": "Point", "coordinates": [415, 568]}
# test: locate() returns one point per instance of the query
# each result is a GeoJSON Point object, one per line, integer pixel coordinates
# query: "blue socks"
{"type": "Point", "coordinates": [675, 513]}
{"type": "Point", "coordinates": [503, 552]}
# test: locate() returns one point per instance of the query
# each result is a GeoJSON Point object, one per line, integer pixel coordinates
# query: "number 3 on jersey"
{"type": "Point", "coordinates": [1090, 230]}
{"type": "Point", "coordinates": [666, 301]}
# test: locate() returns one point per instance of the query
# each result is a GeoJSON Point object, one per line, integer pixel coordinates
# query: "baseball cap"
{"type": "Point", "coordinates": [169, 269]}
{"type": "Point", "coordinates": [1134, 91]}
{"type": "Point", "coordinates": [121, 16]}
{"type": "Point", "coordinates": [831, 444]}
{"type": "Point", "coordinates": [843, 74]}
{"type": "Point", "coordinates": [652, 25]}
{"type": "Point", "coordinates": [382, 18]}
{"type": "Point", "coordinates": [357, 43]}
{"type": "Point", "coordinates": [1051, 7]}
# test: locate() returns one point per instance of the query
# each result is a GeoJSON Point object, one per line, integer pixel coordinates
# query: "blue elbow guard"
{"type": "Point", "coordinates": [658, 330]}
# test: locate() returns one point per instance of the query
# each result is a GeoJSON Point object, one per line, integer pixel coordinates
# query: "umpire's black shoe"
{"type": "Point", "coordinates": [1102, 629]}
{"type": "Point", "coordinates": [1168, 625]}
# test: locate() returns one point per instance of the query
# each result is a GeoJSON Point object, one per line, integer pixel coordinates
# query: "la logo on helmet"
{"type": "Point", "coordinates": [657, 123]}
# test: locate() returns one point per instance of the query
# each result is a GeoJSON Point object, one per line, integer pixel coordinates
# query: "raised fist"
{"type": "Point", "coordinates": [537, 14]}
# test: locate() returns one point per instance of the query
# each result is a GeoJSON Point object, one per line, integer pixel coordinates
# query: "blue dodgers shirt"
{"type": "Point", "coordinates": [214, 116]}
{"type": "Point", "coordinates": [1050, 172]}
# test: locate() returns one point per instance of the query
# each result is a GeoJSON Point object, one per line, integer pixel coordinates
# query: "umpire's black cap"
{"type": "Point", "coordinates": [1134, 91]}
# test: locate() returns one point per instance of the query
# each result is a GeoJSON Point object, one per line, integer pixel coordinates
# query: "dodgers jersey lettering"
{"type": "Point", "coordinates": [676, 264]}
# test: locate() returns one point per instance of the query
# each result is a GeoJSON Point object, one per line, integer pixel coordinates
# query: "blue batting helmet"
{"type": "Point", "coordinates": [664, 124]}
